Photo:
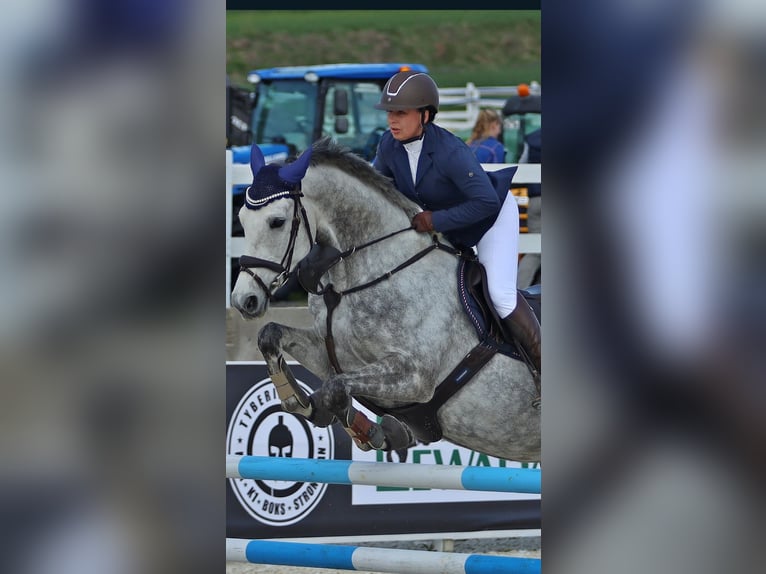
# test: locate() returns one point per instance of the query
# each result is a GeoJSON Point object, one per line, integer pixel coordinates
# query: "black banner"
{"type": "Point", "coordinates": [256, 425]}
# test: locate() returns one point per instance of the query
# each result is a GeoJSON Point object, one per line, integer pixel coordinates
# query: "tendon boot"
{"type": "Point", "coordinates": [522, 325]}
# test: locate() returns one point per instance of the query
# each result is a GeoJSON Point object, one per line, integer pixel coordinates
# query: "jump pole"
{"type": "Point", "coordinates": [482, 478]}
{"type": "Point", "coordinates": [374, 559]}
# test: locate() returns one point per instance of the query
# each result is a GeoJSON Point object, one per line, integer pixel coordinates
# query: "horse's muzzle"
{"type": "Point", "coordinates": [250, 306]}
{"type": "Point", "coordinates": [247, 305]}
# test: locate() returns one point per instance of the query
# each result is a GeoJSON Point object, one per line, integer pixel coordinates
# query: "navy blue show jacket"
{"type": "Point", "coordinates": [450, 183]}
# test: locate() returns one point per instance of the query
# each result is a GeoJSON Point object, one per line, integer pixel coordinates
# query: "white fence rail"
{"type": "Point", "coordinates": [240, 174]}
{"type": "Point", "coordinates": [471, 99]}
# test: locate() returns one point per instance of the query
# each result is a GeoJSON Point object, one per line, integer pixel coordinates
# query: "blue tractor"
{"type": "Point", "coordinates": [293, 106]}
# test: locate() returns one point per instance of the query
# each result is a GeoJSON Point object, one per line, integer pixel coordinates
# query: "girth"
{"type": "Point", "coordinates": [421, 417]}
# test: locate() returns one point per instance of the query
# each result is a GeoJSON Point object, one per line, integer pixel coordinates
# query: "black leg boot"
{"type": "Point", "coordinates": [523, 326]}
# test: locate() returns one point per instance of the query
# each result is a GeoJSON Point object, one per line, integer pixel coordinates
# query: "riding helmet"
{"type": "Point", "coordinates": [409, 90]}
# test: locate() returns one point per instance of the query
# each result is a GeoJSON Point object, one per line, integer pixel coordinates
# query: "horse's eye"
{"type": "Point", "coordinates": [277, 222]}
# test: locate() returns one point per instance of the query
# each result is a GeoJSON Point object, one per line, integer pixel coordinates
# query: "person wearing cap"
{"type": "Point", "coordinates": [438, 171]}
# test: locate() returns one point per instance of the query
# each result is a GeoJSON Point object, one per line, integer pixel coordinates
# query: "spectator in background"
{"type": "Point", "coordinates": [484, 141]}
{"type": "Point", "coordinates": [530, 266]}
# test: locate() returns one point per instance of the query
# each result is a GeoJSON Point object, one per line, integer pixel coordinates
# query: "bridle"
{"type": "Point", "coordinates": [283, 268]}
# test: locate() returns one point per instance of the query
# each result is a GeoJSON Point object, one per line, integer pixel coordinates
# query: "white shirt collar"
{"type": "Point", "coordinates": [413, 155]}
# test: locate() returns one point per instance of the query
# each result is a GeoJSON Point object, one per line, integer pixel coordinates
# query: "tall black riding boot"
{"type": "Point", "coordinates": [522, 325]}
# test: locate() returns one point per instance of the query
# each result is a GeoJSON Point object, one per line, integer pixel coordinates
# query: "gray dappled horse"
{"type": "Point", "coordinates": [388, 324]}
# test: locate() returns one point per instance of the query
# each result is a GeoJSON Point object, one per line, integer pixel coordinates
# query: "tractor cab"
{"type": "Point", "coordinates": [522, 114]}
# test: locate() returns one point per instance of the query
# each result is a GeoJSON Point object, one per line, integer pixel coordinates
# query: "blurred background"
{"type": "Point", "coordinates": [486, 47]}
{"type": "Point", "coordinates": [653, 334]}
{"type": "Point", "coordinates": [112, 223]}
{"type": "Point", "coordinates": [112, 402]}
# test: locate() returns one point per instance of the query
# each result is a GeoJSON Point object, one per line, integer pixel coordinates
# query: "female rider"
{"type": "Point", "coordinates": [437, 170]}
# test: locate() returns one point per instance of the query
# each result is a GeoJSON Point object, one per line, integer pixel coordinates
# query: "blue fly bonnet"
{"type": "Point", "coordinates": [272, 182]}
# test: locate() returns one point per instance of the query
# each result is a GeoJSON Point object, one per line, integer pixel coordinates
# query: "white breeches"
{"type": "Point", "coordinates": [498, 251]}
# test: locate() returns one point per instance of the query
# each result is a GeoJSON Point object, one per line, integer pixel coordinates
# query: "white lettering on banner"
{"type": "Point", "coordinates": [441, 452]}
{"type": "Point", "coordinates": [258, 426]}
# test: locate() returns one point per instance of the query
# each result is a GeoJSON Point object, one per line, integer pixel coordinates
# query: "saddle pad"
{"type": "Point", "coordinates": [477, 314]}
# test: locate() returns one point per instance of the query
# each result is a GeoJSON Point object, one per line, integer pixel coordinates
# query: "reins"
{"type": "Point", "coordinates": [332, 297]}
{"type": "Point", "coordinates": [435, 245]}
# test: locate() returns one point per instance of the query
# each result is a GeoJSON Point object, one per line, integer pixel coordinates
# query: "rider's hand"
{"type": "Point", "coordinates": [422, 222]}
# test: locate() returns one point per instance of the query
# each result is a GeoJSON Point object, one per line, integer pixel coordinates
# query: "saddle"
{"type": "Point", "coordinates": [474, 295]}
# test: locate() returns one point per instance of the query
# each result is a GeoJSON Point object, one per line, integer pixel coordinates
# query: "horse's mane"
{"type": "Point", "coordinates": [328, 152]}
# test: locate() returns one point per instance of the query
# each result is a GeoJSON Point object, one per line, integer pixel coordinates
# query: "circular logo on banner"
{"type": "Point", "coordinates": [260, 427]}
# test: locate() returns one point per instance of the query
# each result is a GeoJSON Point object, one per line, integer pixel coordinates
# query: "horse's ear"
{"type": "Point", "coordinates": [294, 172]}
{"type": "Point", "coordinates": [257, 161]}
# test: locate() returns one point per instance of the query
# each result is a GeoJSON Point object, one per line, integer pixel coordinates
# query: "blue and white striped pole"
{"type": "Point", "coordinates": [492, 479]}
{"type": "Point", "coordinates": [374, 559]}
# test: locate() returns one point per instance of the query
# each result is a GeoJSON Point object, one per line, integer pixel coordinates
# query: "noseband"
{"type": "Point", "coordinates": [283, 268]}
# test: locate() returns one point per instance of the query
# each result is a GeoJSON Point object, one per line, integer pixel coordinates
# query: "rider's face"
{"type": "Point", "coordinates": [404, 124]}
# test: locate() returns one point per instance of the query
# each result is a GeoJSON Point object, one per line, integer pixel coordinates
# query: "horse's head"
{"type": "Point", "coordinates": [272, 219]}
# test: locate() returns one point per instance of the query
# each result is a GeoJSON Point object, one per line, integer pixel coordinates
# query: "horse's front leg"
{"type": "Point", "coordinates": [308, 349]}
{"type": "Point", "coordinates": [393, 378]}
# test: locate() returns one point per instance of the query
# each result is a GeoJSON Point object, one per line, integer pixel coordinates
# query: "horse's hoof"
{"type": "Point", "coordinates": [398, 435]}
{"type": "Point", "coordinates": [365, 446]}
{"type": "Point", "coordinates": [400, 453]}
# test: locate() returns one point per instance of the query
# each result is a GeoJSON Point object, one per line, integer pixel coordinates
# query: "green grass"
{"type": "Point", "coordinates": [487, 47]}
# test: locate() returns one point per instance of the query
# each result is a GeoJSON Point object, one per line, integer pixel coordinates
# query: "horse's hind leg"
{"type": "Point", "coordinates": [332, 402]}
{"type": "Point", "coordinates": [308, 349]}
{"type": "Point", "coordinates": [393, 378]}
{"type": "Point", "coordinates": [390, 434]}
